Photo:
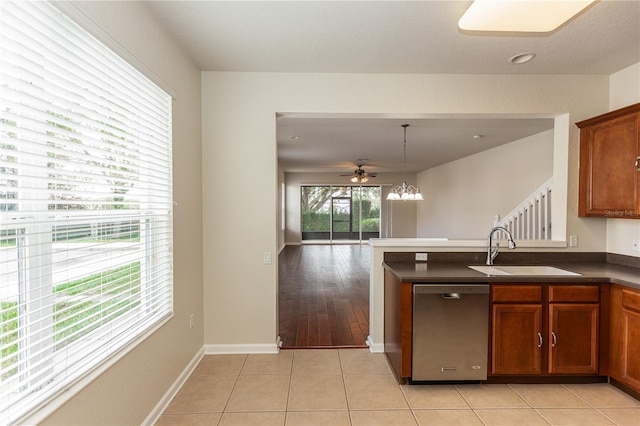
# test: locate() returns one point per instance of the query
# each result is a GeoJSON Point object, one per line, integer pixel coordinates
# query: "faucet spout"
{"type": "Point", "coordinates": [493, 252]}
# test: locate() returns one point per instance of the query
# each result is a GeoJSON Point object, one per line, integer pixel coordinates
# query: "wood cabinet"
{"type": "Point", "coordinates": [573, 328]}
{"type": "Point", "coordinates": [544, 329]}
{"type": "Point", "coordinates": [609, 184]}
{"type": "Point", "coordinates": [624, 364]}
{"type": "Point", "coordinates": [573, 338]}
{"type": "Point", "coordinates": [516, 329]}
{"type": "Point", "coordinates": [538, 332]}
{"type": "Point", "coordinates": [398, 325]}
{"type": "Point", "coordinates": [516, 339]}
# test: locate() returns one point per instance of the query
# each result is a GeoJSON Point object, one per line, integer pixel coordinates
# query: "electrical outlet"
{"type": "Point", "coordinates": [192, 317]}
{"type": "Point", "coordinates": [421, 257]}
{"type": "Point", "coordinates": [267, 258]}
{"type": "Point", "coordinates": [573, 241]}
{"type": "Point", "coordinates": [635, 245]}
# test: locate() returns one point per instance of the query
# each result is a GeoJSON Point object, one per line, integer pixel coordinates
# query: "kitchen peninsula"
{"type": "Point", "coordinates": [583, 327]}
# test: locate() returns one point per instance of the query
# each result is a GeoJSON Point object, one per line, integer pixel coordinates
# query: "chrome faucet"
{"type": "Point", "coordinates": [493, 252]}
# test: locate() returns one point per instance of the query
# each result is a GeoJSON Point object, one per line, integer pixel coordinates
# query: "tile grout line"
{"type": "Point", "coordinates": [469, 404]}
{"type": "Point", "coordinates": [577, 396]}
{"type": "Point", "coordinates": [514, 390]}
{"type": "Point", "coordinates": [606, 417]}
{"type": "Point", "coordinates": [224, 409]}
{"type": "Point", "coordinates": [286, 408]}
{"type": "Point", "coordinates": [344, 387]}
{"type": "Point", "coordinates": [598, 409]}
{"type": "Point", "coordinates": [535, 409]}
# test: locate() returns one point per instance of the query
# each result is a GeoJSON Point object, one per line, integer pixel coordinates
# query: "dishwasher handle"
{"type": "Point", "coordinates": [451, 296]}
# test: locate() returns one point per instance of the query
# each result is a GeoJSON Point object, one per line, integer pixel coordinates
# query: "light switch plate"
{"type": "Point", "coordinates": [573, 241]}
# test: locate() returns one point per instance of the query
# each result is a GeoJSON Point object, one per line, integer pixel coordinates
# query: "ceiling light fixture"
{"type": "Point", "coordinates": [530, 16]}
{"type": "Point", "coordinates": [359, 175]}
{"type": "Point", "coordinates": [405, 192]}
{"type": "Point", "coordinates": [359, 179]}
{"type": "Point", "coordinates": [522, 58]}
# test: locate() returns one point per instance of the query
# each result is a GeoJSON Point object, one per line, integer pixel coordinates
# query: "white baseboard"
{"type": "Point", "coordinates": [374, 347]}
{"type": "Point", "coordinates": [270, 348]}
{"type": "Point", "coordinates": [166, 399]}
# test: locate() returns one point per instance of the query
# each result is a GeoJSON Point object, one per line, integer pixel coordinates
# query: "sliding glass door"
{"type": "Point", "coordinates": [340, 213]}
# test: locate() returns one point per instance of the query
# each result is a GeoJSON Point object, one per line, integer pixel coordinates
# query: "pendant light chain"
{"type": "Point", "coordinates": [405, 151]}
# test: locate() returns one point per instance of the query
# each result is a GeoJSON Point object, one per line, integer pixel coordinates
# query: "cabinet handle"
{"type": "Point", "coordinates": [555, 339]}
{"type": "Point", "coordinates": [638, 164]}
{"type": "Point", "coordinates": [540, 339]}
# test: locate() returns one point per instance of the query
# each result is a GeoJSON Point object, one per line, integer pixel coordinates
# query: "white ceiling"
{"type": "Point", "coordinates": [391, 37]}
{"type": "Point", "coordinates": [338, 143]}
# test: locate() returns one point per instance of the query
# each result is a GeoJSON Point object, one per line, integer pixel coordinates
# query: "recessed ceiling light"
{"type": "Point", "coordinates": [522, 58]}
{"type": "Point", "coordinates": [520, 15]}
{"type": "Point", "coordinates": [478, 136]}
{"type": "Point", "coordinates": [295, 138]}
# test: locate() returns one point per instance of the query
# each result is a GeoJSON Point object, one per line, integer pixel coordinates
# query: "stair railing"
{"type": "Point", "coordinates": [531, 219]}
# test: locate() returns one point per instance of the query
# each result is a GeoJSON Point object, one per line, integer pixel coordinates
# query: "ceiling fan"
{"type": "Point", "coordinates": [359, 175]}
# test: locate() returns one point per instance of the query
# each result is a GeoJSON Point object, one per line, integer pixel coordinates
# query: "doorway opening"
{"type": "Point", "coordinates": [323, 295]}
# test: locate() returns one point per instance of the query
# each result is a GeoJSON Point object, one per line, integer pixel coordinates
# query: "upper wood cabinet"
{"type": "Point", "coordinates": [610, 164]}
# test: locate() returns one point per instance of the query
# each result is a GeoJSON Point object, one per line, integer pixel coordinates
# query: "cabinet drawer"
{"type": "Point", "coordinates": [516, 293]}
{"type": "Point", "coordinates": [631, 299]}
{"type": "Point", "coordinates": [574, 293]}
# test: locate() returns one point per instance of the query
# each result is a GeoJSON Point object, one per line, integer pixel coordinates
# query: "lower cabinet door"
{"type": "Point", "coordinates": [630, 363]}
{"type": "Point", "coordinates": [517, 341]}
{"type": "Point", "coordinates": [573, 338]}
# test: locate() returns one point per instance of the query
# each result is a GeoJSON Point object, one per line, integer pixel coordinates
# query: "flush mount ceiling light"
{"type": "Point", "coordinates": [532, 16]}
{"type": "Point", "coordinates": [405, 192]}
{"type": "Point", "coordinates": [522, 58]}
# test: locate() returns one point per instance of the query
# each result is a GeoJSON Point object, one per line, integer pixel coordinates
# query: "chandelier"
{"type": "Point", "coordinates": [405, 192]}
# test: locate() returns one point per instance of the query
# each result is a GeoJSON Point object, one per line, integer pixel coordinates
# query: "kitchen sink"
{"type": "Point", "coordinates": [521, 270]}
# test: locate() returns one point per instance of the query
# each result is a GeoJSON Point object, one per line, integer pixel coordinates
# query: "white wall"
{"type": "Point", "coordinates": [128, 391]}
{"type": "Point", "coordinates": [624, 90]}
{"type": "Point", "coordinates": [402, 216]}
{"type": "Point", "coordinates": [239, 130]}
{"type": "Point", "coordinates": [463, 196]}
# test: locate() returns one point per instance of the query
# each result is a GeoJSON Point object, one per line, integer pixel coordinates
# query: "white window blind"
{"type": "Point", "coordinates": [85, 205]}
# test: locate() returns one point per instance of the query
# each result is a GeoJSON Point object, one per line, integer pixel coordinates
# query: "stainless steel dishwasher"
{"type": "Point", "coordinates": [450, 332]}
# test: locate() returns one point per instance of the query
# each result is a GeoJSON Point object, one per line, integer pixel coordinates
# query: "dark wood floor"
{"type": "Point", "coordinates": [324, 295]}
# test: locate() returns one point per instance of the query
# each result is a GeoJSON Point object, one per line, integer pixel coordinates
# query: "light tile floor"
{"type": "Point", "coordinates": [356, 387]}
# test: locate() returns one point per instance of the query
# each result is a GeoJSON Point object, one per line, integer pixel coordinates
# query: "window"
{"type": "Point", "coordinates": [349, 213]}
{"type": "Point", "coordinates": [85, 205]}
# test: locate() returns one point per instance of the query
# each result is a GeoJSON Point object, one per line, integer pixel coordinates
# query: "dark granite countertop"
{"type": "Point", "coordinates": [453, 272]}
